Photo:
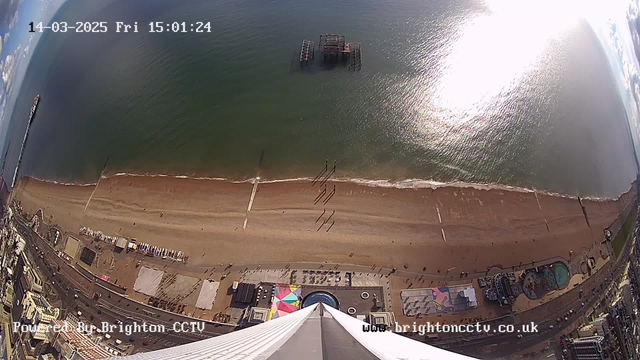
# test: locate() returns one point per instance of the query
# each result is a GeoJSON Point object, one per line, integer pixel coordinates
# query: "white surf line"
{"type": "Point", "coordinates": [253, 195]}
{"type": "Point", "coordinates": [90, 196]}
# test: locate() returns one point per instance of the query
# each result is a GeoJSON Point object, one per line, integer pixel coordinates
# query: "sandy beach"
{"type": "Point", "coordinates": [378, 225]}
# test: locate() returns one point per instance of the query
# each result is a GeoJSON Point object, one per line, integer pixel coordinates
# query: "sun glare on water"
{"type": "Point", "coordinates": [495, 50]}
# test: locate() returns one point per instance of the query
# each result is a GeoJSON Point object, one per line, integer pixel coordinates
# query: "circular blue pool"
{"type": "Point", "coordinates": [562, 274]}
{"type": "Point", "coordinates": [321, 297]}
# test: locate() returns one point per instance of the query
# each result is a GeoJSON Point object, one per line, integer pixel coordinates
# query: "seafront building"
{"type": "Point", "coordinates": [72, 344]}
{"type": "Point", "coordinates": [37, 310]}
{"type": "Point", "coordinates": [37, 315]}
{"type": "Point", "coordinates": [588, 348]}
{"type": "Point", "coordinates": [28, 277]}
{"type": "Point", "coordinates": [598, 326]}
{"type": "Point", "coordinates": [624, 331]}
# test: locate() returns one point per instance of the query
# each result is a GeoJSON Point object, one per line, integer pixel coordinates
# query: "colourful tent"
{"type": "Point", "coordinates": [286, 300]}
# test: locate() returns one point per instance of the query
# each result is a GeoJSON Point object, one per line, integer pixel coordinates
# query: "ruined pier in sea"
{"type": "Point", "coordinates": [334, 50]}
{"type": "Point", "coordinates": [307, 52]}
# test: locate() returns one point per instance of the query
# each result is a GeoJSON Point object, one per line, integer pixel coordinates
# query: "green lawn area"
{"type": "Point", "coordinates": [621, 238]}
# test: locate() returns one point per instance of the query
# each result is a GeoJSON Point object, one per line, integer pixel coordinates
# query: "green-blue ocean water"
{"type": "Point", "coordinates": [448, 91]}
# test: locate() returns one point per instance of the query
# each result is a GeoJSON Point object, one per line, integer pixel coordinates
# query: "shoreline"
{"type": "Point", "coordinates": [373, 225]}
{"type": "Point", "coordinates": [374, 183]}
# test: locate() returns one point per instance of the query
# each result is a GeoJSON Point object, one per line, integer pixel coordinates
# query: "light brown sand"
{"type": "Point", "coordinates": [381, 226]}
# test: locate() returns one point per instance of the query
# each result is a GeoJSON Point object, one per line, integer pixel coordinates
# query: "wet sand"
{"type": "Point", "coordinates": [380, 226]}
